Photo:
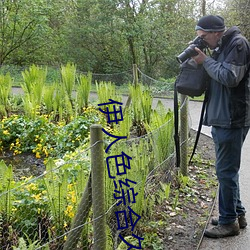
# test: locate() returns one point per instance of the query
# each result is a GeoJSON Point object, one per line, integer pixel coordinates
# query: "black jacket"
{"type": "Point", "coordinates": [229, 90]}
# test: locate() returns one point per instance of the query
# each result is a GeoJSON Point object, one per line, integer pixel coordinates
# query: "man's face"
{"type": "Point", "coordinates": [211, 38]}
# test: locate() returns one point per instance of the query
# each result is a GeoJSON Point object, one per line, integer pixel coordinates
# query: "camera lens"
{"type": "Point", "coordinates": [187, 53]}
{"type": "Point", "coordinates": [190, 51]}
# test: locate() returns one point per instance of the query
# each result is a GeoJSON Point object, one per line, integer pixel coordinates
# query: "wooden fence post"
{"type": "Point", "coordinates": [98, 187]}
{"type": "Point", "coordinates": [135, 74]}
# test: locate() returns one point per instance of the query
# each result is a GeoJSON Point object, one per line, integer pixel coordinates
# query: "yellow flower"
{"type": "Point", "coordinates": [14, 209]}
{"type": "Point", "coordinates": [31, 187]}
{"type": "Point", "coordinates": [45, 151]}
{"type": "Point", "coordinates": [12, 145]}
{"type": "Point", "coordinates": [71, 194]}
{"type": "Point", "coordinates": [37, 196]}
{"type": "Point", "coordinates": [17, 152]}
{"type": "Point", "coordinates": [69, 211]}
{"type": "Point", "coordinates": [38, 155]}
{"type": "Point", "coordinates": [73, 199]}
{"type": "Point", "coordinates": [6, 132]}
{"type": "Point", "coordinates": [26, 178]}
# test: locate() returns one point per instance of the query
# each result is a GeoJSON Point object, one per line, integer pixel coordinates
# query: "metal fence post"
{"type": "Point", "coordinates": [98, 188]}
{"type": "Point", "coordinates": [184, 135]}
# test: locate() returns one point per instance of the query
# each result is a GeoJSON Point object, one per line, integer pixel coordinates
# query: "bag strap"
{"type": "Point", "coordinates": [199, 127]}
{"type": "Point", "coordinates": [176, 126]}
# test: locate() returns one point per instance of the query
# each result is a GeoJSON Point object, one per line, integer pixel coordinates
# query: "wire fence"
{"type": "Point", "coordinates": [56, 209]}
{"type": "Point", "coordinates": [160, 87]}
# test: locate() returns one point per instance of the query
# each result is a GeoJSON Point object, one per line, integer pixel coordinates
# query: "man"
{"type": "Point", "coordinates": [228, 112]}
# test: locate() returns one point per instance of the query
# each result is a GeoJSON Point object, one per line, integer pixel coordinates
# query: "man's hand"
{"type": "Point", "coordinates": [200, 58]}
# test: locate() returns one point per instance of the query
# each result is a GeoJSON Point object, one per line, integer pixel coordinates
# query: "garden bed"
{"type": "Point", "coordinates": [178, 221]}
{"type": "Point", "coordinates": [54, 125]}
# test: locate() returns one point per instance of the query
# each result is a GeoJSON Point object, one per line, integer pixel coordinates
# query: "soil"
{"type": "Point", "coordinates": [25, 164]}
{"type": "Point", "coordinates": [187, 222]}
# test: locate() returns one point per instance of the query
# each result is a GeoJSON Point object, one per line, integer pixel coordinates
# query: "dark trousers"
{"type": "Point", "coordinates": [228, 145]}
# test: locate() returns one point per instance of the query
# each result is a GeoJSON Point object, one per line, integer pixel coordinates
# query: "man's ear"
{"type": "Point", "coordinates": [219, 34]}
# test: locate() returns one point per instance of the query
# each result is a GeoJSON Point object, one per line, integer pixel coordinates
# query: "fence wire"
{"type": "Point", "coordinates": [158, 87]}
{"type": "Point", "coordinates": [44, 211]}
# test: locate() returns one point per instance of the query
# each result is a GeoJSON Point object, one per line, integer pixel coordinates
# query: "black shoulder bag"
{"type": "Point", "coordinates": [192, 79]}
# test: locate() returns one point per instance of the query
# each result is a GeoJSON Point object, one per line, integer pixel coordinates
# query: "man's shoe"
{"type": "Point", "coordinates": [221, 231]}
{"type": "Point", "coordinates": [241, 219]}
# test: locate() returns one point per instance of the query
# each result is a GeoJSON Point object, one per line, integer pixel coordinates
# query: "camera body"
{"type": "Point", "coordinates": [190, 51]}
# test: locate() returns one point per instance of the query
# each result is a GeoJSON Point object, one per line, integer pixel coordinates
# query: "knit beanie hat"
{"type": "Point", "coordinates": [210, 23]}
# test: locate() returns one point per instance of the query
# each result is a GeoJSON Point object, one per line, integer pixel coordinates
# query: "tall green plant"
{"type": "Point", "coordinates": [48, 98]}
{"type": "Point", "coordinates": [146, 99]}
{"type": "Point", "coordinates": [161, 128]}
{"type": "Point", "coordinates": [141, 103]}
{"type": "Point", "coordinates": [64, 184]}
{"type": "Point", "coordinates": [56, 185]}
{"type": "Point", "coordinates": [6, 184]}
{"type": "Point", "coordinates": [139, 167]}
{"type": "Point", "coordinates": [62, 106]}
{"type": "Point", "coordinates": [141, 107]}
{"type": "Point", "coordinates": [68, 74]}
{"type": "Point", "coordinates": [124, 126]}
{"type": "Point", "coordinates": [106, 91]}
{"type": "Point", "coordinates": [5, 90]}
{"type": "Point", "coordinates": [83, 91]}
{"type": "Point", "coordinates": [135, 93]}
{"type": "Point", "coordinates": [33, 85]}
{"type": "Point", "coordinates": [29, 106]}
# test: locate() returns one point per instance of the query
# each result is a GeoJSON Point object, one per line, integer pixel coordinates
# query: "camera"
{"type": "Point", "coordinates": [190, 51]}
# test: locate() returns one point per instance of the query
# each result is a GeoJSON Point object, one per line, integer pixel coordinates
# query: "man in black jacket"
{"type": "Point", "coordinates": [228, 112]}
